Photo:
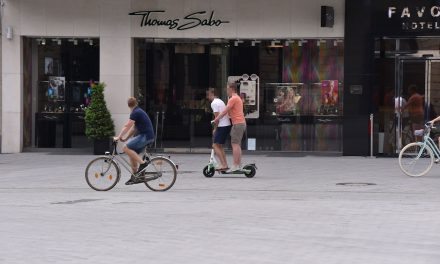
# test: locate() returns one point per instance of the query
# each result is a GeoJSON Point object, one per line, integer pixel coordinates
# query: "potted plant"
{"type": "Point", "coordinates": [99, 123]}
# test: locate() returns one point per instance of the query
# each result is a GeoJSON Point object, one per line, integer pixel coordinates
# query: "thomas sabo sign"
{"type": "Point", "coordinates": [155, 18]}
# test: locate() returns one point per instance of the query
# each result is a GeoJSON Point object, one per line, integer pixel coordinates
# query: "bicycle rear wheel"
{"type": "Point", "coordinates": [102, 174]}
{"type": "Point", "coordinates": [160, 174]}
{"type": "Point", "coordinates": [416, 159]}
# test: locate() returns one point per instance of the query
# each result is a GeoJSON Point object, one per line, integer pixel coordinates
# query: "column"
{"type": "Point", "coordinates": [12, 76]}
{"type": "Point", "coordinates": [116, 71]}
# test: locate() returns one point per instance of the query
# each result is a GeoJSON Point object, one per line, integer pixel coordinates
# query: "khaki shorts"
{"type": "Point", "coordinates": [237, 132]}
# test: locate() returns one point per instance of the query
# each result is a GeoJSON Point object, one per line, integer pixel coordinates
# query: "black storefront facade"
{"type": "Point", "coordinates": [392, 70]}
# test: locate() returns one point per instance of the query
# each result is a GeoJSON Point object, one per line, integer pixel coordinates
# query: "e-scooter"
{"type": "Point", "coordinates": [248, 170]}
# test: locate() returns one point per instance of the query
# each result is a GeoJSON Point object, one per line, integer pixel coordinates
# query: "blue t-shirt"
{"type": "Point", "coordinates": [142, 122]}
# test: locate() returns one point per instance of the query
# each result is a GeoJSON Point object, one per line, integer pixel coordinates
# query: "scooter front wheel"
{"type": "Point", "coordinates": [252, 171]}
{"type": "Point", "coordinates": [208, 171]}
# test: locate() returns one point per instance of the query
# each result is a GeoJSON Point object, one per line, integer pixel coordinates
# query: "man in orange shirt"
{"type": "Point", "coordinates": [234, 109]}
{"type": "Point", "coordinates": [416, 107]}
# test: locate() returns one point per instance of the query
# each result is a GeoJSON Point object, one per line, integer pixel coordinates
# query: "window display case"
{"type": "Point", "coordinates": [308, 116]}
{"type": "Point", "coordinates": [60, 85]}
{"type": "Point", "coordinates": [293, 103]}
{"type": "Point", "coordinates": [304, 111]}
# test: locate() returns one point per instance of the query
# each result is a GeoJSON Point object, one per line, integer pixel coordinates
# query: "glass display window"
{"type": "Point", "coordinates": [307, 104]}
{"type": "Point", "coordinates": [300, 93]}
{"type": "Point", "coordinates": [57, 83]}
{"type": "Point", "coordinates": [171, 80]}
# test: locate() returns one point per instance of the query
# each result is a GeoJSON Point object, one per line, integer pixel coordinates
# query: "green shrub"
{"type": "Point", "coordinates": [99, 123]}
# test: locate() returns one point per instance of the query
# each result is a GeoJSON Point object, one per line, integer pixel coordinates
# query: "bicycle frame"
{"type": "Point", "coordinates": [428, 141]}
{"type": "Point", "coordinates": [120, 160]}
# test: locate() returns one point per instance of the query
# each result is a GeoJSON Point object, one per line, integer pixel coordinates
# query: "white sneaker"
{"type": "Point", "coordinates": [234, 169]}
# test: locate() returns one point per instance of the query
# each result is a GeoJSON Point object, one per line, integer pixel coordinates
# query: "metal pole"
{"type": "Point", "coordinates": [157, 124]}
{"type": "Point", "coordinates": [161, 131]}
{"type": "Point", "coordinates": [371, 135]}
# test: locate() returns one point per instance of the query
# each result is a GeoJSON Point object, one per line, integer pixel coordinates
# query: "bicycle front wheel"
{"type": "Point", "coordinates": [160, 174]}
{"type": "Point", "coordinates": [102, 174]}
{"type": "Point", "coordinates": [416, 159]}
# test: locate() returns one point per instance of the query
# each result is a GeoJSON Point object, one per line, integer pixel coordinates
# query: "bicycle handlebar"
{"type": "Point", "coordinates": [430, 125]}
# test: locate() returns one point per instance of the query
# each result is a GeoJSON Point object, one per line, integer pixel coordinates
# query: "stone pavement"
{"type": "Point", "coordinates": [293, 211]}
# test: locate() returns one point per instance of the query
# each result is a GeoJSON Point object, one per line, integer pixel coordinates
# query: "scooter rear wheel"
{"type": "Point", "coordinates": [208, 171]}
{"type": "Point", "coordinates": [252, 170]}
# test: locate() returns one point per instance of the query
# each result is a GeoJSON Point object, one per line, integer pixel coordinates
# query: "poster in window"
{"type": "Point", "coordinates": [48, 65]}
{"type": "Point", "coordinates": [329, 97]}
{"type": "Point", "coordinates": [329, 93]}
{"type": "Point", "coordinates": [248, 92]}
{"type": "Point", "coordinates": [287, 100]}
{"type": "Point", "coordinates": [56, 88]}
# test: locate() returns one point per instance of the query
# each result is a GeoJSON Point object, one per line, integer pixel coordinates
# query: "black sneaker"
{"type": "Point", "coordinates": [131, 181]}
{"type": "Point", "coordinates": [142, 167]}
{"type": "Point", "coordinates": [135, 180]}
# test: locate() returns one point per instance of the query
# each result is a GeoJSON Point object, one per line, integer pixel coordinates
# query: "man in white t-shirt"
{"type": "Point", "coordinates": [399, 103]}
{"type": "Point", "coordinates": [222, 130]}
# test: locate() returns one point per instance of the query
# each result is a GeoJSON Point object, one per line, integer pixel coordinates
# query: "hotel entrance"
{"type": "Point", "coordinates": [407, 91]}
{"type": "Point", "coordinates": [418, 80]}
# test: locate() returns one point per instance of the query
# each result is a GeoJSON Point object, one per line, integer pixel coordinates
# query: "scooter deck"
{"type": "Point", "coordinates": [236, 172]}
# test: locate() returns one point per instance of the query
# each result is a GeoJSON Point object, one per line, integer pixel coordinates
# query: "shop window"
{"type": "Point", "coordinates": [57, 79]}
{"type": "Point", "coordinates": [308, 102]}
{"type": "Point", "coordinates": [300, 95]}
{"type": "Point", "coordinates": [171, 80]}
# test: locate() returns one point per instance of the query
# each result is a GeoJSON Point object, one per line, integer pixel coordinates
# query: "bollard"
{"type": "Point", "coordinates": [371, 135]}
{"type": "Point", "coordinates": [157, 124]}
{"type": "Point", "coordinates": [161, 131]}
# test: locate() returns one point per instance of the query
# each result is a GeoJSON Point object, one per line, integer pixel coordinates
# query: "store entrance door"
{"type": "Point", "coordinates": [172, 82]}
{"type": "Point", "coordinates": [417, 97]}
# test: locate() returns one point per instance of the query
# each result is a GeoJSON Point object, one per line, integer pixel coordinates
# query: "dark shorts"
{"type": "Point", "coordinates": [139, 142]}
{"type": "Point", "coordinates": [221, 134]}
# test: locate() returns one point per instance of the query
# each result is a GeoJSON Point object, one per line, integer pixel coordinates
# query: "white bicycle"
{"type": "Point", "coordinates": [416, 159]}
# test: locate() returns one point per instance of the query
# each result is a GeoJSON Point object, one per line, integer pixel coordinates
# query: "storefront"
{"type": "Point", "coordinates": [290, 69]}
{"type": "Point", "coordinates": [297, 102]}
{"type": "Point", "coordinates": [392, 52]}
{"type": "Point", "coordinates": [57, 78]}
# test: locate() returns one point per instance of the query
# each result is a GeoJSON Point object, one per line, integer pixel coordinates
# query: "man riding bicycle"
{"type": "Point", "coordinates": [234, 109]}
{"type": "Point", "coordinates": [140, 129]}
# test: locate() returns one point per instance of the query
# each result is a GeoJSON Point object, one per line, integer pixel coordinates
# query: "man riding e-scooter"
{"type": "Point", "coordinates": [234, 109]}
{"type": "Point", "coordinates": [221, 131]}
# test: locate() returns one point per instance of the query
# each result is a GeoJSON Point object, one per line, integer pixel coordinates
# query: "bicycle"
{"type": "Point", "coordinates": [416, 159]}
{"type": "Point", "coordinates": [103, 173]}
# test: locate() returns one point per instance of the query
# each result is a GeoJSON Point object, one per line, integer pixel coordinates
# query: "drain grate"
{"type": "Point", "coordinates": [356, 184]}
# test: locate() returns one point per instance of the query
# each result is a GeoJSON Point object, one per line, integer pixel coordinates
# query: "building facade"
{"type": "Point", "coordinates": [289, 66]}
{"type": "Point", "coordinates": [392, 70]}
